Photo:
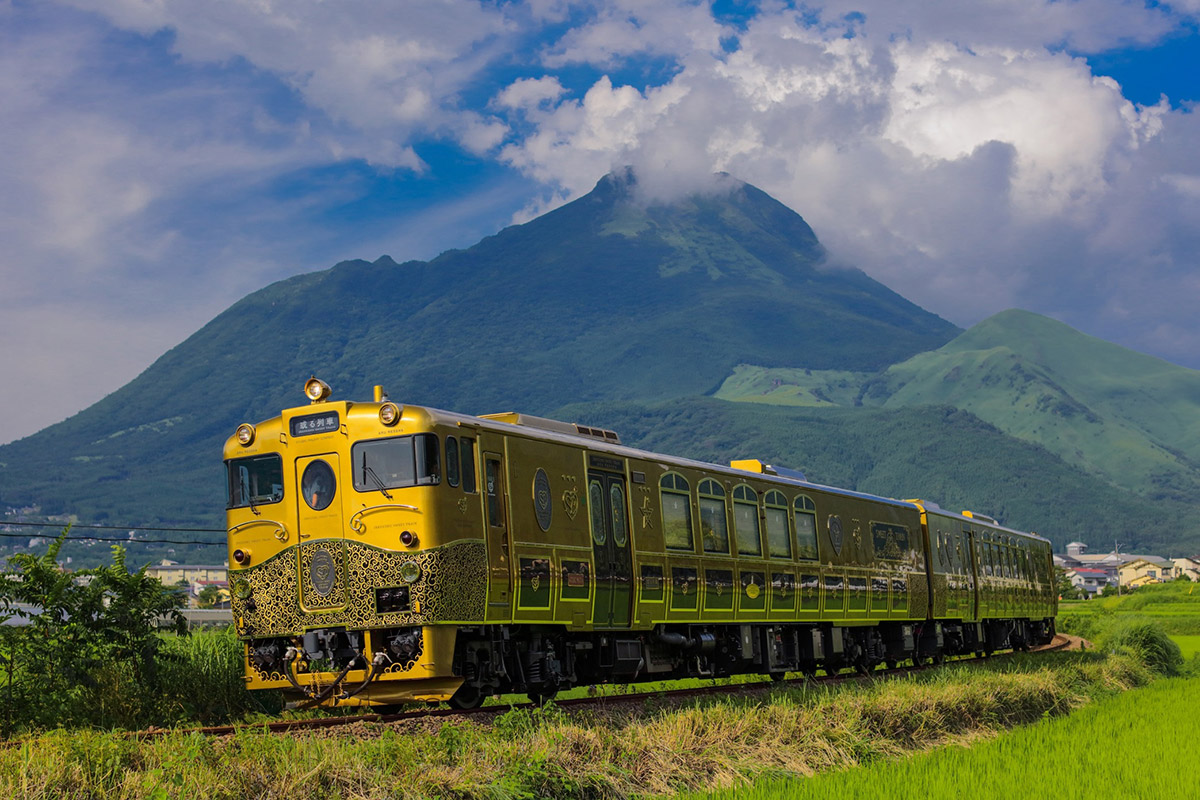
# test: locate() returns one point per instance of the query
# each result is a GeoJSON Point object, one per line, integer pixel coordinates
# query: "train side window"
{"type": "Point", "coordinates": [714, 525]}
{"type": "Point", "coordinates": [467, 448]}
{"type": "Point", "coordinates": [452, 461]}
{"type": "Point", "coordinates": [745, 521]}
{"type": "Point", "coordinates": [596, 506]}
{"type": "Point", "coordinates": [804, 512]}
{"type": "Point", "coordinates": [616, 498]}
{"type": "Point", "coordinates": [779, 544]}
{"type": "Point", "coordinates": [675, 496]}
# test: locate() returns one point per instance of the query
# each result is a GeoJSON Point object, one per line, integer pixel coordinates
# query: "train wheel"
{"type": "Point", "coordinates": [466, 698]}
{"type": "Point", "coordinates": [778, 676]}
{"type": "Point", "coordinates": [541, 698]}
{"type": "Point", "coordinates": [891, 663]}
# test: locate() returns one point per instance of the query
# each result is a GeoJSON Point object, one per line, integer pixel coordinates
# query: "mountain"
{"type": "Point", "coordinates": [604, 299]}
{"type": "Point", "coordinates": [1127, 420]}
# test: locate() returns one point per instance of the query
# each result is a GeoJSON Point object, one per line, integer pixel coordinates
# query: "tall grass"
{"type": "Point", "coordinates": [655, 747]}
{"type": "Point", "coordinates": [201, 676]}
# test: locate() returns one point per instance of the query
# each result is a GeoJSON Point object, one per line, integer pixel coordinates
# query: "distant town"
{"type": "Point", "coordinates": [1106, 573]}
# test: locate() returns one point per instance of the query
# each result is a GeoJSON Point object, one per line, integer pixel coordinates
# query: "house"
{"type": "Point", "coordinates": [1090, 581]}
{"type": "Point", "coordinates": [1146, 569]}
{"type": "Point", "coordinates": [171, 574]}
{"type": "Point", "coordinates": [1188, 567]}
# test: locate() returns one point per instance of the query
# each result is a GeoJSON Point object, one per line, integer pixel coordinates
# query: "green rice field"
{"type": "Point", "coordinates": [1134, 744]}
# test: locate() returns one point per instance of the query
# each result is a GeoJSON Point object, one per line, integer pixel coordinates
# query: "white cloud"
{"type": "Point", "coordinates": [953, 150]}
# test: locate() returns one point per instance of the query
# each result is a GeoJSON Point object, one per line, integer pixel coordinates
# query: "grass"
{"type": "Point", "coordinates": [618, 750]}
{"type": "Point", "coordinates": [1130, 745]}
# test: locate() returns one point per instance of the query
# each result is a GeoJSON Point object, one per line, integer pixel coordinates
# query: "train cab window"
{"type": "Point", "coordinates": [804, 512]}
{"type": "Point", "coordinates": [714, 526]}
{"type": "Point", "coordinates": [318, 485]}
{"type": "Point", "coordinates": [452, 476]}
{"type": "Point", "coordinates": [254, 481]}
{"type": "Point", "coordinates": [396, 462]}
{"type": "Point", "coordinates": [745, 521]}
{"type": "Point", "coordinates": [675, 495]}
{"type": "Point", "coordinates": [775, 506]}
{"type": "Point", "coordinates": [467, 465]}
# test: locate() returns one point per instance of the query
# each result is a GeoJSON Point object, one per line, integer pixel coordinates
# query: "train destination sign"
{"type": "Point", "coordinates": [309, 424]}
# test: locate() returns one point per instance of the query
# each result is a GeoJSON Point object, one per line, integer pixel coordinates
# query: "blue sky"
{"type": "Point", "coordinates": [159, 159]}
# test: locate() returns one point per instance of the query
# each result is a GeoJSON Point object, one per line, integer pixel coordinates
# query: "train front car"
{"type": "Point", "coordinates": [351, 551]}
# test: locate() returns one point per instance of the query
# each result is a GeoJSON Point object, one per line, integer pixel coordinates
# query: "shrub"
{"type": "Point", "coordinates": [1149, 643]}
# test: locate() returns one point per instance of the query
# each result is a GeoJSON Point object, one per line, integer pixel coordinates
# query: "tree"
{"type": "Point", "coordinates": [88, 634]}
{"type": "Point", "coordinates": [1066, 589]}
{"type": "Point", "coordinates": [208, 597]}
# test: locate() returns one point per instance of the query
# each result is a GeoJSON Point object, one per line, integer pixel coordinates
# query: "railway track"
{"type": "Point", "coordinates": [1060, 642]}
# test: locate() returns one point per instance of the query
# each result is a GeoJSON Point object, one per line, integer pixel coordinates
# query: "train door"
{"type": "Point", "coordinates": [320, 551]}
{"type": "Point", "coordinates": [973, 569]}
{"type": "Point", "coordinates": [499, 550]}
{"type": "Point", "coordinates": [608, 509]}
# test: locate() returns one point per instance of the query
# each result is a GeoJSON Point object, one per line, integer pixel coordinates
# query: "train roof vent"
{"type": "Point", "coordinates": [980, 517]}
{"type": "Point", "coordinates": [557, 426]}
{"type": "Point", "coordinates": [754, 465]}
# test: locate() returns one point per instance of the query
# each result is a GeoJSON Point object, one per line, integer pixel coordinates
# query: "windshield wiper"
{"type": "Point", "coordinates": [367, 471]}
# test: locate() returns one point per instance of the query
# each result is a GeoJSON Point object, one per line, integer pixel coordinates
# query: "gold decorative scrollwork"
{"type": "Point", "coordinates": [281, 533]}
{"type": "Point", "coordinates": [358, 526]}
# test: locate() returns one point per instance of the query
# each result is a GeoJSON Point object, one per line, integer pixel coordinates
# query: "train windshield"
{"type": "Point", "coordinates": [254, 480]}
{"type": "Point", "coordinates": [395, 463]}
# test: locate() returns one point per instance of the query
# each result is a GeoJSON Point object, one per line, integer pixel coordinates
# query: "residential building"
{"type": "Point", "coordinates": [1188, 567]}
{"type": "Point", "coordinates": [1146, 569]}
{"type": "Point", "coordinates": [1091, 581]}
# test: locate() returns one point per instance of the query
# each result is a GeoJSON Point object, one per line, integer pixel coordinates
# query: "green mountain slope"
{"type": "Point", "coordinates": [1128, 418]}
{"type": "Point", "coordinates": [601, 299]}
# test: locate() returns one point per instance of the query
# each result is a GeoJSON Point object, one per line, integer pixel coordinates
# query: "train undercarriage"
{"type": "Point", "coordinates": [333, 666]}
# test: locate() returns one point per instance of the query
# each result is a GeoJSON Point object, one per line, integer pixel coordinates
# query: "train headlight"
{"type": "Point", "coordinates": [316, 389]}
{"type": "Point", "coordinates": [389, 413]}
{"type": "Point", "coordinates": [410, 572]}
{"type": "Point", "coordinates": [241, 590]}
{"type": "Point", "coordinates": [245, 434]}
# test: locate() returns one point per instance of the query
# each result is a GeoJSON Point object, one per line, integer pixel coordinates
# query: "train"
{"type": "Point", "coordinates": [384, 553]}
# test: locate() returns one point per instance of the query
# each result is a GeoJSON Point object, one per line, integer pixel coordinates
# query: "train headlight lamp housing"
{"type": "Point", "coordinates": [241, 557]}
{"type": "Point", "coordinates": [316, 389]}
{"type": "Point", "coordinates": [241, 590]}
{"type": "Point", "coordinates": [410, 572]}
{"type": "Point", "coordinates": [245, 434]}
{"type": "Point", "coordinates": [389, 414]}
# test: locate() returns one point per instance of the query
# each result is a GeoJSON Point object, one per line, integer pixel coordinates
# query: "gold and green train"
{"type": "Point", "coordinates": [384, 553]}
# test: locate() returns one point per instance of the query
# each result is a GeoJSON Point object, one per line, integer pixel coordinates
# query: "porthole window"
{"type": "Point", "coordinates": [745, 521]}
{"type": "Point", "coordinates": [775, 506]}
{"type": "Point", "coordinates": [714, 525]}
{"type": "Point", "coordinates": [675, 496]}
{"type": "Point", "coordinates": [318, 485]}
{"type": "Point", "coordinates": [804, 513]}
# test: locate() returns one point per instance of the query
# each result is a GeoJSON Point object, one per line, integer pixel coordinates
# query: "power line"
{"type": "Point", "coordinates": [122, 540]}
{"type": "Point", "coordinates": [113, 527]}
{"type": "Point", "coordinates": [117, 539]}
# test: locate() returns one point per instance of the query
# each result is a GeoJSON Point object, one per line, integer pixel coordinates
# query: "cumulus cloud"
{"type": "Point", "coordinates": [965, 160]}
{"type": "Point", "coordinates": [962, 153]}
